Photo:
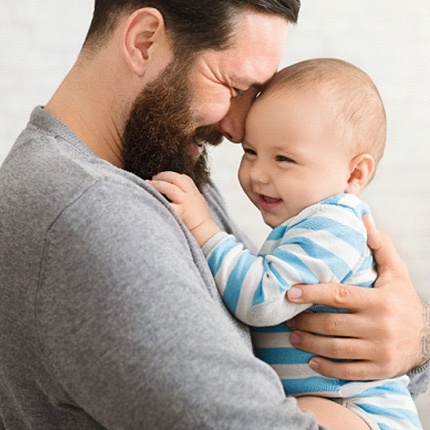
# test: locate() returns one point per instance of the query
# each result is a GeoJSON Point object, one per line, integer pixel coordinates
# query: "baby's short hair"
{"type": "Point", "coordinates": [355, 98]}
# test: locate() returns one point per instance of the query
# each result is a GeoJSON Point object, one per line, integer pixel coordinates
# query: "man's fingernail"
{"type": "Point", "coordinates": [295, 339]}
{"type": "Point", "coordinates": [291, 323]}
{"type": "Point", "coordinates": [315, 364]}
{"type": "Point", "coordinates": [294, 293]}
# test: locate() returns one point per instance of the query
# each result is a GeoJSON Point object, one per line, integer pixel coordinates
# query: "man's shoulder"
{"type": "Point", "coordinates": [47, 178]}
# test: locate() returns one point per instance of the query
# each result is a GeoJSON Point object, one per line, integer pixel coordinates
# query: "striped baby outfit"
{"type": "Point", "coordinates": [326, 242]}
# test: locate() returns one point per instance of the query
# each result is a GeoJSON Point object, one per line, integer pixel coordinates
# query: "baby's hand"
{"type": "Point", "coordinates": [188, 203]}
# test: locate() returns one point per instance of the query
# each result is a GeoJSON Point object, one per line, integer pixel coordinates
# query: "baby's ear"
{"type": "Point", "coordinates": [361, 170]}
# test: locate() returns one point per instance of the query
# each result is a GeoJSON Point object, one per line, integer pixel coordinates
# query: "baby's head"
{"type": "Point", "coordinates": [317, 129]}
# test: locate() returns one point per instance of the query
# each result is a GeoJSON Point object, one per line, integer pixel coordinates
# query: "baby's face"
{"type": "Point", "coordinates": [294, 155]}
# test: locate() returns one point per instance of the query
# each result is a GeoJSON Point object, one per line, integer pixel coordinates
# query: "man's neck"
{"type": "Point", "coordinates": [85, 106]}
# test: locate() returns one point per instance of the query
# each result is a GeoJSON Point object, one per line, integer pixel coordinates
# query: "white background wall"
{"type": "Point", "coordinates": [389, 39]}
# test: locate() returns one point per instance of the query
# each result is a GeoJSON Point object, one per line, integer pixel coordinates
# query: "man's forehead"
{"type": "Point", "coordinates": [258, 46]}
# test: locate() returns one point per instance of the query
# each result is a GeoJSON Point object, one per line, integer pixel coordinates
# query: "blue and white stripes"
{"type": "Point", "coordinates": [326, 242]}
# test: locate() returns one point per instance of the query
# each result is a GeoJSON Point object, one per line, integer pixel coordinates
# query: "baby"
{"type": "Point", "coordinates": [313, 139]}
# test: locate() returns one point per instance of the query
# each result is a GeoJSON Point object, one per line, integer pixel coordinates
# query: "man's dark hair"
{"type": "Point", "coordinates": [192, 25]}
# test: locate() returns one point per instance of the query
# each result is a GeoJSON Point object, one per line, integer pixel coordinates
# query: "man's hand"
{"type": "Point", "coordinates": [386, 332]}
{"type": "Point", "coordinates": [188, 203]}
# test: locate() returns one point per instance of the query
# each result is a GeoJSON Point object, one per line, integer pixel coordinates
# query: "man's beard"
{"type": "Point", "coordinates": [159, 134]}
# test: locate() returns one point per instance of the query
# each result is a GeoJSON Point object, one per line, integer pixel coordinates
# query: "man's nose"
{"type": "Point", "coordinates": [232, 126]}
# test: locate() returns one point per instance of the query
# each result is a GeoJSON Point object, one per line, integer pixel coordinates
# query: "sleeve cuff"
{"type": "Point", "coordinates": [213, 242]}
{"type": "Point", "coordinates": [419, 379]}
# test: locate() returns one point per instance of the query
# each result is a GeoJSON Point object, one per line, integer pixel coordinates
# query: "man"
{"type": "Point", "coordinates": [109, 314]}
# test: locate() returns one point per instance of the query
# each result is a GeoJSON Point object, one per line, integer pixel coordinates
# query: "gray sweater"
{"type": "Point", "coordinates": [109, 316]}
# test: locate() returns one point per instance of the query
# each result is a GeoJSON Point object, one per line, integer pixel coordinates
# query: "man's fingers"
{"type": "Point", "coordinates": [351, 370]}
{"type": "Point", "coordinates": [386, 256]}
{"type": "Point", "coordinates": [373, 234]}
{"type": "Point", "coordinates": [339, 348]}
{"type": "Point", "coordinates": [335, 295]}
{"type": "Point", "coordinates": [355, 352]}
{"type": "Point", "coordinates": [328, 324]}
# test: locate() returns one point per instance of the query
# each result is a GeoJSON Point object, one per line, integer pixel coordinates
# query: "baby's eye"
{"type": "Point", "coordinates": [249, 151]}
{"type": "Point", "coordinates": [249, 154]}
{"type": "Point", "coordinates": [284, 159]}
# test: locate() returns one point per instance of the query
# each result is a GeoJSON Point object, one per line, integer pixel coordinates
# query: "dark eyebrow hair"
{"type": "Point", "coordinates": [260, 86]}
{"type": "Point", "coordinates": [256, 85]}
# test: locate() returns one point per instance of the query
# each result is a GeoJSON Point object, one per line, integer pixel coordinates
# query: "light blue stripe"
{"type": "Point", "coordinates": [277, 233]}
{"type": "Point", "coordinates": [367, 264]}
{"type": "Point", "coordinates": [359, 209]}
{"type": "Point", "coordinates": [283, 284]}
{"type": "Point", "coordinates": [364, 284]}
{"type": "Point", "coordinates": [341, 231]}
{"type": "Point", "coordinates": [259, 295]}
{"type": "Point", "coordinates": [233, 286]}
{"type": "Point", "coordinates": [335, 263]}
{"type": "Point", "coordinates": [217, 257]}
{"type": "Point", "coordinates": [313, 384]}
{"type": "Point", "coordinates": [291, 356]}
{"type": "Point", "coordinates": [323, 308]}
{"type": "Point", "coordinates": [396, 413]}
{"type": "Point", "coordinates": [307, 275]}
{"type": "Point", "coordinates": [387, 388]}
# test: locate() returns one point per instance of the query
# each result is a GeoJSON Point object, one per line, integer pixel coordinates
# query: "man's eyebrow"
{"type": "Point", "coordinates": [244, 83]}
{"type": "Point", "coordinates": [260, 86]}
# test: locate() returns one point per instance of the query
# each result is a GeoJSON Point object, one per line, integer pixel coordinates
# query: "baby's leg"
{"type": "Point", "coordinates": [331, 414]}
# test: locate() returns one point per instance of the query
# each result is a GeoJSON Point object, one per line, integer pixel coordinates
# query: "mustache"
{"type": "Point", "coordinates": [209, 135]}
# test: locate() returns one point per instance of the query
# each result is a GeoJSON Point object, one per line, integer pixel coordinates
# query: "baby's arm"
{"type": "Point", "coordinates": [188, 203]}
{"type": "Point", "coordinates": [272, 307]}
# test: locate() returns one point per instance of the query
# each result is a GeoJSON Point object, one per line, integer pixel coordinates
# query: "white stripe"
{"type": "Point", "coordinates": [333, 244]}
{"type": "Point", "coordinates": [271, 340]}
{"type": "Point", "coordinates": [296, 371]}
{"type": "Point", "coordinates": [393, 423]}
{"type": "Point", "coordinates": [229, 261]}
{"type": "Point", "coordinates": [362, 278]}
{"type": "Point", "coordinates": [357, 387]}
{"type": "Point", "coordinates": [317, 266]}
{"type": "Point", "coordinates": [350, 200]}
{"type": "Point", "coordinates": [391, 400]}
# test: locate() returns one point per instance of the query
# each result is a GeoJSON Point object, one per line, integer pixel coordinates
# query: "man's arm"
{"type": "Point", "coordinates": [133, 329]}
{"type": "Point", "coordinates": [386, 333]}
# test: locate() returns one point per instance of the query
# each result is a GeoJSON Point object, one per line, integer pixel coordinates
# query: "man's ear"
{"type": "Point", "coordinates": [361, 170]}
{"type": "Point", "coordinates": [144, 33]}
